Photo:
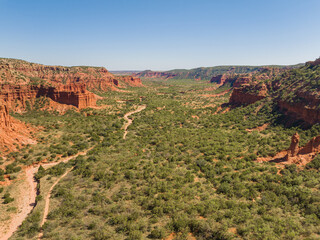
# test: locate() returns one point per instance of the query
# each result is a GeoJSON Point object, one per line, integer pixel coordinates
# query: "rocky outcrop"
{"type": "Point", "coordinates": [299, 111]}
{"type": "Point", "coordinates": [130, 80]}
{"type": "Point", "coordinates": [313, 146]}
{"type": "Point", "coordinates": [295, 92]}
{"type": "Point", "coordinates": [223, 79]}
{"type": "Point", "coordinates": [71, 94]}
{"type": "Point", "coordinates": [13, 133]}
{"type": "Point", "coordinates": [242, 81]}
{"type": "Point", "coordinates": [5, 120]}
{"type": "Point", "coordinates": [248, 95]}
{"type": "Point", "coordinates": [302, 155]}
{"type": "Point", "coordinates": [74, 94]}
{"type": "Point", "coordinates": [18, 72]}
{"type": "Point", "coordinates": [23, 82]}
{"type": "Point", "coordinates": [294, 146]}
{"type": "Point", "coordinates": [314, 63]}
{"type": "Point", "coordinates": [304, 106]}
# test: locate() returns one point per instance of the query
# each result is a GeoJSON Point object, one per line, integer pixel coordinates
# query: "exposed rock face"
{"type": "Point", "coordinates": [299, 111]}
{"type": "Point", "coordinates": [302, 155]}
{"type": "Point", "coordinates": [313, 146]}
{"type": "Point", "coordinates": [294, 146]}
{"type": "Point", "coordinates": [305, 109]}
{"type": "Point", "coordinates": [223, 79]}
{"type": "Point", "coordinates": [20, 72]}
{"type": "Point", "coordinates": [248, 95]}
{"type": "Point", "coordinates": [239, 79]}
{"type": "Point", "coordinates": [131, 80]}
{"type": "Point", "coordinates": [72, 94]}
{"type": "Point", "coordinates": [296, 92]}
{"type": "Point", "coordinates": [12, 132]}
{"type": "Point", "coordinates": [242, 81]}
{"type": "Point", "coordinates": [22, 81]}
{"type": "Point", "coordinates": [5, 121]}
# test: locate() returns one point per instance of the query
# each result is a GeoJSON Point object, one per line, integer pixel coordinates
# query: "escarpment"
{"type": "Point", "coordinates": [248, 94]}
{"type": "Point", "coordinates": [13, 133]}
{"type": "Point", "coordinates": [23, 82]}
{"type": "Point", "coordinates": [20, 72]}
{"type": "Point", "coordinates": [5, 119]}
{"type": "Point", "coordinates": [18, 96]}
{"type": "Point", "coordinates": [296, 92]}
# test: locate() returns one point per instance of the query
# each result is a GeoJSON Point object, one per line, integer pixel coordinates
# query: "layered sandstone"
{"type": "Point", "coordinates": [23, 82]}
{"type": "Point", "coordinates": [13, 133]}
{"type": "Point", "coordinates": [238, 79]}
{"type": "Point", "coordinates": [294, 146]}
{"type": "Point", "coordinates": [223, 79]}
{"type": "Point", "coordinates": [17, 96]}
{"type": "Point", "coordinates": [20, 72]}
{"type": "Point", "coordinates": [5, 120]}
{"type": "Point", "coordinates": [296, 92]}
{"type": "Point", "coordinates": [71, 94]}
{"type": "Point", "coordinates": [302, 155]}
{"type": "Point", "coordinates": [130, 80]}
{"type": "Point", "coordinates": [248, 95]}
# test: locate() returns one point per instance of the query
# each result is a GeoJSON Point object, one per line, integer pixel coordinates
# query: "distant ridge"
{"type": "Point", "coordinates": [206, 73]}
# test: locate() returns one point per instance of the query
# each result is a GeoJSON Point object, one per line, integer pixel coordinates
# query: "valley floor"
{"type": "Point", "coordinates": [169, 161]}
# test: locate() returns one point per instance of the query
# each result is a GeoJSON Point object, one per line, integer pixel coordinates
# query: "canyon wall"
{"type": "Point", "coordinates": [20, 72]}
{"type": "Point", "coordinates": [17, 96]}
{"type": "Point", "coordinates": [296, 92]}
{"type": "Point", "coordinates": [248, 94]}
{"type": "Point", "coordinates": [23, 81]}
{"type": "Point", "coordinates": [13, 133]}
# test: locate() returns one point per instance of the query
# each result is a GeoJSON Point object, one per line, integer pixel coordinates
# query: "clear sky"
{"type": "Point", "coordinates": [160, 34]}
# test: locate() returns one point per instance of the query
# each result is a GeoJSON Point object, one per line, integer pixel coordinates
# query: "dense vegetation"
{"type": "Point", "coordinates": [206, 73]}
{"type": "Point", "coordinates": [185, 168]}
{"type": "Point", "coordinates": [299, 85]}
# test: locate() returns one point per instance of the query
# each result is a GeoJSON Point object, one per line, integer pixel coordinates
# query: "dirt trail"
{"type": "Point", "coordinates": [27, 203]}
{"type": "Point", "coordinates": [29, 196]}
{"type": "Point", "coordinates": [47, 201]}
{"type": "Point", "coordinates": [30, 193]}
{"type": "Point", "coordinates": [129, 121]}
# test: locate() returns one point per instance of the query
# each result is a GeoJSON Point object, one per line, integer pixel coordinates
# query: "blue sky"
{"type": "Point", "coordinates": [160, 34]}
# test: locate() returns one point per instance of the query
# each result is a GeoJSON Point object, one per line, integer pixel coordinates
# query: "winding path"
{"type": "Point", "coordinates": [47, 201]}
{"type": "Point", "coordinates": [29, 196]}
{"type": "Point", "coordinates": [30, 192]}
{"type": "Point", "coordinates": [129, 121]}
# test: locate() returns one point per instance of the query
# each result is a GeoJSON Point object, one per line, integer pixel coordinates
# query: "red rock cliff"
{"type": "Point", "coordinates": [12, 131]}
{"type": "Point", "coordinates": [22, 81]}
{"type": "Point", "coordinates": [5, 119]}
{"type": "Point", "coordinates": [302, 155]}
{"type": "Point", "coordinates": [248, 94]}
{"type": "Point", "coordinates": [296, 91]}
{"type": "Point", "coordinates": [20, 72]}
{"type": "Point", "coordinates": [77, 95]}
